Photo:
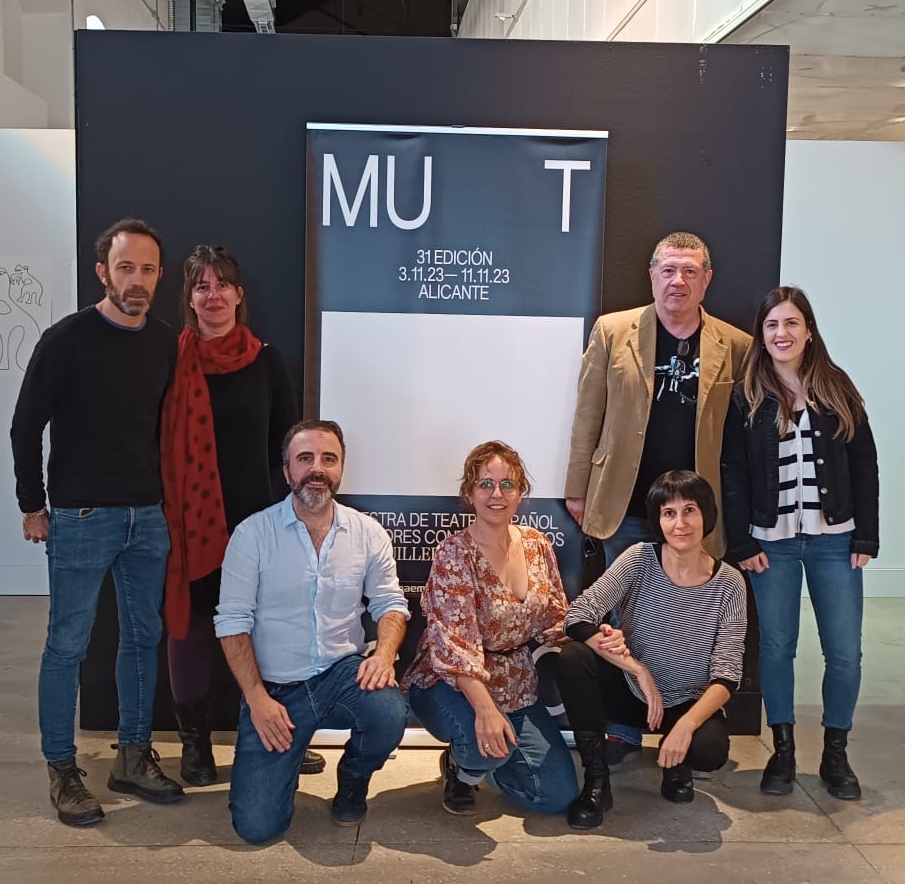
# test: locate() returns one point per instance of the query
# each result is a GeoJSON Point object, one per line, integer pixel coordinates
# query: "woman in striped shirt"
{"type": "Point", "coordinates": [683, 618]}
{"type": "Point", "coordinates": [800, 493]}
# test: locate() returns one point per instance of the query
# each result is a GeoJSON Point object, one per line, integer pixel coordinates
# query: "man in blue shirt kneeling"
{"type": "Point", "coordinates": [296, 577]}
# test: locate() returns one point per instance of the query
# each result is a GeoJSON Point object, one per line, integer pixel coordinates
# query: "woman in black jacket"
{"type": "Point", "coordinates": [800, 492]}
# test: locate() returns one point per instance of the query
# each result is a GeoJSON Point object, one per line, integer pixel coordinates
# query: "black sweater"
{"type": "Point", "coordinates": [100, 387]}
{"type": "Point", "coordinates": [252, 408]}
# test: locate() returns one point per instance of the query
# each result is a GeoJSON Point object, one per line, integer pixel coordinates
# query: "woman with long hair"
{"type": "Point", "coordinates": [224, 417]}
{"type": "Point", "coordinates": [801, 493]}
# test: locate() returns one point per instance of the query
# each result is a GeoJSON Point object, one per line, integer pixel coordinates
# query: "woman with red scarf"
{"type": "Point", "coordinates": [224, 417]}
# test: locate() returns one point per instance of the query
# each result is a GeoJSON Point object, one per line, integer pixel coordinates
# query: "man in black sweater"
{"type": "Point", "coordinates": [98, 377]}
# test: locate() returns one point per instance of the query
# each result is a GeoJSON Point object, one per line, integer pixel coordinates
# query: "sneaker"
{"type": "Point", "coordinates": [136, 771]}
{"type": "Point", "coordinates": [349, 806]}
{"type": "Point", "coordinates": [458, 797]}
{"type": "Point", "coordinates": [701, 775]}
{"type": "Point", "coordinates": [619, 753]}
{"type": "Point", "coordinates": [312, 763]}
{"type": "Point", "coordinates": [75, 805]}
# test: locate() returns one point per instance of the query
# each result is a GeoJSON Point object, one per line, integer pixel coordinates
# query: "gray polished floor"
{"type": "Point", "coordinates": [730, 833]}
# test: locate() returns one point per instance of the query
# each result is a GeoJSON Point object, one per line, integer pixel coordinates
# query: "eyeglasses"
{"type": "Point", "coordinates": [506, 486]}
{"type": "Point", "coordinates": [682, 349]}
{"type": "Point", "coordinates": [204, 289]}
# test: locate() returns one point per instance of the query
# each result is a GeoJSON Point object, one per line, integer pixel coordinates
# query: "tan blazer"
{"type": "Point", "coordinates": [615, 391]}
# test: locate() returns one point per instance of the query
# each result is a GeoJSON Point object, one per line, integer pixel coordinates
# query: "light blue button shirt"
{"type": "Point", "coordinates": [303, 610]}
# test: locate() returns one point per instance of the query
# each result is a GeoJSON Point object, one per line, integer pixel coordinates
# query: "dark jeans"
{"type": "Point", "coordinates": [538, 775]}
{"type": "Point", "coordinates": [837, 596]}
{"type": "Point", "coordinates": [262, 792]}
{"type": "Point", "coordinates": [594, 691]}
{"type": "Point", "coordinates": [83, 544]}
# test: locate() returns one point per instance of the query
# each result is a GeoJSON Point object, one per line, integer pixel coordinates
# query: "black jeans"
{"type": "Point", "coordinates": [594, 692]}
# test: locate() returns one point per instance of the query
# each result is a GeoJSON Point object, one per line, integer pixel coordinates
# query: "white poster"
{"type": "Point", "coordinates": [37, 287]}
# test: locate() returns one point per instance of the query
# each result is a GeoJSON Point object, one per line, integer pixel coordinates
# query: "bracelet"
{"type": "Point", "coordinates": [35, 514]}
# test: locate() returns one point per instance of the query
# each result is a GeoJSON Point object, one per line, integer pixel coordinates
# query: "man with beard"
{"type": "Point", "coordinates": [294, 584]}
{"type": "Point", "coordinates": [98, 377]}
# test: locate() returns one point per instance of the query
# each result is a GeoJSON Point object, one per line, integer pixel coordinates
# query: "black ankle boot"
{"type": "Point", "coordinates": [779, 774]}
{"type": "Point", "coordinates": [198, 767]}
{"type": "Point", "coordinates": [586, 811]}
{"type": "Point", "coordinates": [840, 779]}
{"type": "Point", "coordinates": [677, 785]}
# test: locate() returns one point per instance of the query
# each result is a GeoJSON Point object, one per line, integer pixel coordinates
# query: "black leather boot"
{"type": "Point", "coordinates": [677, 785]}
{"type": "Point", "coordinates": [312, 763]}
{"type": "Point", "coordinates": [840, 779]}
{"type": "Point", "coordinates": [779, 774]}
{"type": "Point", "coordinates": [586, 811]}
{"type": "Point", "coordinates": [198, 767]}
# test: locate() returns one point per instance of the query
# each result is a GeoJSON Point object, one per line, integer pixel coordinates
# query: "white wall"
{"type": "Point", "coordinates": [673, 21]}
{"type": "Point", "coordinates": [842, 244]}
{"type": "Point", "coordinates": [36, 65]}
{"type": "Point", "coordinates": [37, 247]}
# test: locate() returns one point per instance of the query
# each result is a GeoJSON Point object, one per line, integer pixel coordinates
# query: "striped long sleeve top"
{"type": "Point", "coordinates": [687, 636]}
{"type": "Point", "coordinates": [799, 508]}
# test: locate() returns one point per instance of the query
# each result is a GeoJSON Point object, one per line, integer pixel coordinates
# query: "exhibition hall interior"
{"type": "Point", "coordinates": [446, 300]}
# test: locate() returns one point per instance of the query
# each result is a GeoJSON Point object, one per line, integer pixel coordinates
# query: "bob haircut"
{"type": "Point", "coordinates": [680, 485]}
{"type": "Point", "coordinates": [480, 454]}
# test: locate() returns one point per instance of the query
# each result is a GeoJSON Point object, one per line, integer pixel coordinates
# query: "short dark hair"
{"type": "Point", "coordinates": [680, 485]}
{"type": "Point", "coordinates": [312, 424]}
{"type": "Point", "coordinates": [226, 267]}
{"type": "Point", "coordinates": [124, 225]}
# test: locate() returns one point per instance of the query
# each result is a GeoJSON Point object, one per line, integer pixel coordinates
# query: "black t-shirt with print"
{"type": "Point", "coordinates": [669, 441]}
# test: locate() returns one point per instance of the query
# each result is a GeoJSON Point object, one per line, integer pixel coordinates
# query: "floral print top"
{"type": "Point", "coordinates": [477, 627]}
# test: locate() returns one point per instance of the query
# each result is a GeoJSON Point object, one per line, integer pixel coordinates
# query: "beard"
{"type": "Point", "coordinates": [314, 499]}
{"type": "Point", "coordinates": [134, 308]}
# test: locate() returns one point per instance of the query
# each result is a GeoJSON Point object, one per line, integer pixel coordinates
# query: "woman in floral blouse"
{"type": "Point", "coordinates": [492, 589]}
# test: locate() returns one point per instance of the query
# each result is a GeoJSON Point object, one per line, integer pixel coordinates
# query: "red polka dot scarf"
{"type": "Point", "coordinates": [192, 496]}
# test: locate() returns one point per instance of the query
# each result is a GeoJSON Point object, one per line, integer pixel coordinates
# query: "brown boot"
{"type": "Point", "coordinates": [137, 772]}
{"type": "Point", "coordinates": [75, 805]}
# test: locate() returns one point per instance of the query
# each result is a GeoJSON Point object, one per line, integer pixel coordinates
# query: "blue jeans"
{"type": "Point", "coordinates": [538, 775]}
{"type": "Point", "coordinates": [262, 792]}
{"type": "Point", "coordinates": [836, 591]}
{"type": "Point", "coordinates": [631, 530]}
{"type": "Point", "coordinates": [82, 545]}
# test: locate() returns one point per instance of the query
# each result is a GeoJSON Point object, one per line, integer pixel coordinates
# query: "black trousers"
{"type": "Point", "coordinates": [594, 691]}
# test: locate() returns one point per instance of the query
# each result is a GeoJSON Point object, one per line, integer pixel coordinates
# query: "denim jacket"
{"type": "Point", "coordinates": [847, 476]}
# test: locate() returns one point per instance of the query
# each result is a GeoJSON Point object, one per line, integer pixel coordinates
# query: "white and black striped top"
{"type": "Point", "coordinates": [799, 497]}
{"type": "Point", "coordinates": [687, 636]}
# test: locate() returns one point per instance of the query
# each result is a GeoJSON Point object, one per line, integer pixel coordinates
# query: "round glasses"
{"type": "Point", "coordinates": [506, 486]}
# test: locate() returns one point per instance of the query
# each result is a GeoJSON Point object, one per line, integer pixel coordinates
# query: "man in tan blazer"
{"type": "Point", "coordinates": [652, 396]}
